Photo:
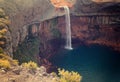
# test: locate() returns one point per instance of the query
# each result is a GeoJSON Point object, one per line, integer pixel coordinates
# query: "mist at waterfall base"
{"type": "Point", "coordinates": [95, 63]}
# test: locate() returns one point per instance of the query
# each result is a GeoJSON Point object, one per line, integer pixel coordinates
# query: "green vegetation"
{"type": "Point", "coordinates": [53, 22]}
{"type": "Point", "coordinates": [28, 50]}
{"type": "Point", "coordinates": [4, 22]}
{"type": "Point", "coordinates": [5, 61]}
{"type": "Point", "coordinates": [5, 64]}
{"type": "Point", "coordinates": [2, 13]}
{"type": "Point", "coordinates": [55, 32]}
{"type": "Point", "coordinates": [30, 65]}
{"type": "Point", "coordinates": [66, 76]}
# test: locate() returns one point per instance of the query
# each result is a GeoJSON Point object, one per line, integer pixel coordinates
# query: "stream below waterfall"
{"type": "Point", "coordinates": [95, 63]}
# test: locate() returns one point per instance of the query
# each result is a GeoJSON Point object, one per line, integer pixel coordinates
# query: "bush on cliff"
{"type": "Point", "coordinates": [4, 64]}
{"type": "Point", "coordinates": [27, 50]}
{"type": "Point", "coordinates": [5, 61]}
{"type": "Point", "coordinates": [30, 65]}
{"type": "Point", "coordinates": [4, 23]}
{"type": "Point", "coordinates": [66, 76]}
{"type": "Point", "coordinates": [54, 31]}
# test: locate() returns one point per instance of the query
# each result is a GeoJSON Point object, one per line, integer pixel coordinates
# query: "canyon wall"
{"type": "Point", "coordinates": [22, 13]}
{"type": "Point", "coordinates": [38, 24]}
{"type": "Point", "coordinates": [86, 30]}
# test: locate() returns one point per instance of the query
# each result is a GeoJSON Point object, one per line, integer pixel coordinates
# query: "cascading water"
{"type": "Point", "coordinates": [68, 28]}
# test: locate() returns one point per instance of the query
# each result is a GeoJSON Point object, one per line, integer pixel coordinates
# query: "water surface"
{"type": "Point", "coordinates": [95, 63]}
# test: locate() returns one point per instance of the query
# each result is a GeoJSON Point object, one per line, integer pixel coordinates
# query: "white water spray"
{"type": "Point", "coordinates": [68, 29]}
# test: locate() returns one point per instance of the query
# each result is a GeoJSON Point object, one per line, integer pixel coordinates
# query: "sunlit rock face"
{"type": "Point", "coordinates": [61, 3]}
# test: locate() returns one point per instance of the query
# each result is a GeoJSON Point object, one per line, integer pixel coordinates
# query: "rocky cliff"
{"type": "Point", "coordinates": [38, 24]}
{"type": "Point", "coordinates": [23, 13]}
{"type": "Point", "coordinates": [86, 30]}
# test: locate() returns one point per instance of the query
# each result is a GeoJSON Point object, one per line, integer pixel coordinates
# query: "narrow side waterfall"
{"type": "Point", "coordinates": [68, 29]}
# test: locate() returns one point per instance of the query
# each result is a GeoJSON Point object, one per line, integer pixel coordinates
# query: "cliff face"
{"type": "Point", "coordinates": [86, 30]}
{"type": "Point", "coordinates": [24, 13]}
{"type": "Point", "coordinates": [95, 29]}
{"type": "Point", "coordinates": [92, 23]}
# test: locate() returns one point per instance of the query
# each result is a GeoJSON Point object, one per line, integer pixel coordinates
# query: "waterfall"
{"type": "Point", "coordinates": [68, 28]}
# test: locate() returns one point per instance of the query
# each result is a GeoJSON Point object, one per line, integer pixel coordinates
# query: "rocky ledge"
{"type": "Point", "coordinates": [21, 74]}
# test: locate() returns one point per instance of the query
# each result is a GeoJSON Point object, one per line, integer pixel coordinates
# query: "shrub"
{"type": "Point", "coordinates": [4, 64]}
{"type": "Point", "coordinates": [4, 56]}
{"type": "Point", "coordinates": [55, 33]}
{"type": "Point", "coordinates": [66, 76]}
{"type": "Point", "coordinates": [2, 13]}
{"type": "Point", "coordinates": [6, 61]}
{"type": "Point", "coordinates": [15, 62]}
{"type": "Point", "coordinates": [27, 50]}
{"type": "Point", "coordinates": [30, 65]}
{"type": "Point", "coordinates": [3, 31]}
{"type": "Point", "coordinates": [1, 50]}
{"type": "Point", "coordinates": [4, 24]}
{"type": "Point", "coordinates": [54, 74]}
